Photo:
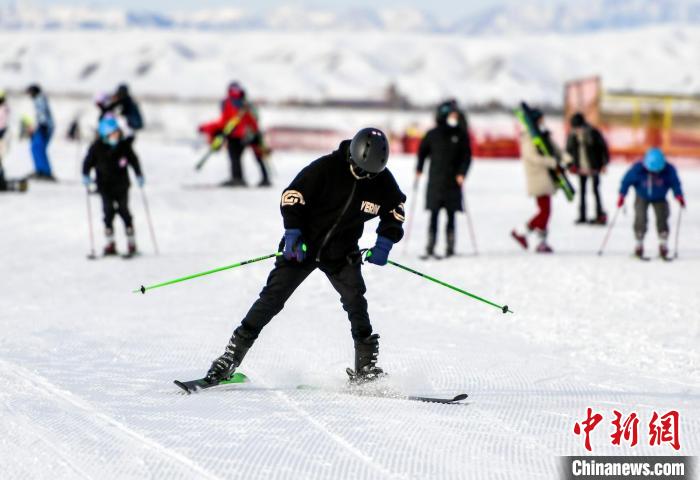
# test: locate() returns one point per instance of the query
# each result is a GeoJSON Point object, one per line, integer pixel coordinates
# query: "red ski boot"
{"type": "Point", "coordinates": [521, 239]}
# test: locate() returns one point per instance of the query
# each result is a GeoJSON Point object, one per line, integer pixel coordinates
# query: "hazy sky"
{"type": "Point", "coordinates": [440, 8]}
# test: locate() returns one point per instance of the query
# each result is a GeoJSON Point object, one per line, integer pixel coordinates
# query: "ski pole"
{"type": "Point", "coordinates": [678, 231]}
{"type": "Point", "coordinates": [409, 222]}
{"type": "Point", "coordinates": [469, 224]}
{"type": "Point", "coordinates": [503, 308]}
{"type": "Point", "coordinates": [92, 255]}
{"type": "Point", "coordinates": [143, 289]}
{"type": "Point", "coordinates": [607, 234]}
{"type": "Point", "coordinates": [148, 219]}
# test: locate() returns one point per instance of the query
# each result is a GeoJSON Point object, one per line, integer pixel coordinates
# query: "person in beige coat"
{"type": "Point", "coordinates": [539, 185]}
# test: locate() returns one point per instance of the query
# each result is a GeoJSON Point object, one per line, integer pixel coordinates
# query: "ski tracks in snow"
{"type": "Point", "coordinates": [102, 425]}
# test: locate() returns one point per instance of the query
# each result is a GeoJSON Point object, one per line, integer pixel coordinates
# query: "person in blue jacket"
{"type": "Point", "coordinates": [41, 134]}
{"type": "Point", "coordinates": [651, 178]}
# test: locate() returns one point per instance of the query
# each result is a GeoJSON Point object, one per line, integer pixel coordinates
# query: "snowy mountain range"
{"type": "Point", "coordinates": [318, 66]}
{"type": "Point", "coordinates": [573, 16]}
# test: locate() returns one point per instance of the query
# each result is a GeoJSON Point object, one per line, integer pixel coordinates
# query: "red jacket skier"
{"type": "Point", "coordinates": [240, 127]}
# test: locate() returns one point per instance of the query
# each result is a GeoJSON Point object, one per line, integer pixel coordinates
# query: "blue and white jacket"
{"type": "Point", "coordinates": [650, 186]}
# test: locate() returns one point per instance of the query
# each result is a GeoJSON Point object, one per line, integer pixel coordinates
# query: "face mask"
{"type": "Point", "coordinates": [112, 142]}
{"type": "Point", "coordinates": [360, 174]}
{"type": "Point", "coordinates": [452, 122]}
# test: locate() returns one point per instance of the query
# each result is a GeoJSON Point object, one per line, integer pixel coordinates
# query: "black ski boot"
{"type": "Point", "coordinates": [224, 367]}
{"type": "Point", "coordinates": [366, 369]}
{"type": "Point", "coordinates": [450, 244]}
{"type": "Point", "coordinates": [430, 248]}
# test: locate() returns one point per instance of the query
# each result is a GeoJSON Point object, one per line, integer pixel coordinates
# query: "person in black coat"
{"type": "Point", "coordinates": [324, 210]}
{"type": "Point", "coordinates": [449, 149]}
{"type": "Point", "coordinates": [589, 153]}
{"type": "Point", "coordinates": [125, 105]}
{"type": "Point", "coordinates": [109, 156]}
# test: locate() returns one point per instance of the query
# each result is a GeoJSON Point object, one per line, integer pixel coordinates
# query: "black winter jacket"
{"type": "Point", "coordinates": [596, 148]}
{"type": "Point", "coordinates": [110, 164]}
{"type": "Point", "coordinates": [330, 206]}
{"type": "Point", "coordinates": [450, 155]}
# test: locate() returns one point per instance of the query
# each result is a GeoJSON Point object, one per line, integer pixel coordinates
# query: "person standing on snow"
{"type": "Point", "coordinates": [109, 155]}
{"type": "Point", "coordinates": [124, 104]}
{"type": "Point", "coordinates": [651, 178]}
{"type": "Point", "coordinates": [41, 133]}
{"type": "Point", "coordinates": [4, 122]}
{"type": "Point", "coordinates": [324, 210]}
{"type": "Point", "coordinates": [240, 126]}
{"type": "Point", "coordinates": [589, 154]}
{"type": "Point", "coordinates": [449, 149]}
{"type": "Point", "coordinates": [539, 185]}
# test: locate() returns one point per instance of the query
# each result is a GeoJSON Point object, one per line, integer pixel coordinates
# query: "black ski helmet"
{"type": "Point", "coordinates": [369, 150]}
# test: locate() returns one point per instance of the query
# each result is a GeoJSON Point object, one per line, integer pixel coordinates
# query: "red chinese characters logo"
{"type": "Point", "coordinates": [627, 429]}
{"type": "Point", "coordinates": [588, 425]}
{"type": "Point", "coordinates": [663, 429]}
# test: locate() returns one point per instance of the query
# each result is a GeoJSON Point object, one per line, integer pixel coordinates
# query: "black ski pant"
{"type": "Point", "coordinates": [434, 214]}
{"type": "Point", "coordinates": [257, 145]}
{"type": "Point", "coordinates": [235, 149]}
{"type": "Point", "coordinates": [595, 180]}
{"type": "Point", "coordinates": [287, 275]}
{"type": "Point", "coordinates": [116, 203]}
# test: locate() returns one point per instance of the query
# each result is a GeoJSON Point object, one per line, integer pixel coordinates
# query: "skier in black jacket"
{"type": "Point", "coordinates": [124, 104]}
{"type": "Point", "coordinates": [589, 152]}
{"type": "Point", "coordinates": [324, 210]}
{"type": "Point", "coordinates": [109, 155]}
{"type": "Point", "coordinates": [450, 154]}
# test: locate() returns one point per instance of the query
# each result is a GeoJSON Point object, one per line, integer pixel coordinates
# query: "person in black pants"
{"type": "Point", "coordinates": [589, 153]}
{"type": "Point", "coordinates": [449, 149]}
{"type": "Point", "coordinates": [324, 210]}
{"type": "Point", "coordinates": [110, 155]}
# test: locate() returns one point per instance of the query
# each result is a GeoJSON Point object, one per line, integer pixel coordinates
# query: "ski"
{"type": "Point", "coordinates": [545, 147]}
{"type": "Point", "coordinates": [193, 386]}
{"type": "Point", "coordinates": [354, 390]}
{"type": "Point", "coordinates": [431, 257]}
{"type": "Point", "coordinates": [447, 401]}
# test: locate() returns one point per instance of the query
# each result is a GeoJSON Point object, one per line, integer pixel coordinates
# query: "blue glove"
{"type": "Point", "coordinates": [141, 181]}
{"type": "Point", "coordinates": [379, 254]}
{"type": "Point", "coordinates": [86, 180]}
{"type": "Point", "coordinates": [294, 247]}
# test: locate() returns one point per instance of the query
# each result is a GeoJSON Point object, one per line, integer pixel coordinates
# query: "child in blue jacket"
{"type": "Point", "coordinates": [651, 178]}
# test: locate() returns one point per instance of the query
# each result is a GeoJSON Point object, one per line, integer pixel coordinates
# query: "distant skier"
{"type": "Point", "coordinates": [324, 209]}
{"type": "Point", "coordinates": [539, 185]}
{"type": "Point", "coordinates": [449, 149]}
{"type": "Point", "coordinates": [41, 132]}
{"type": "Point", "coordinates": [109, 155]}
{"type": "Point", "coordinates": [589, 153]}
{"type": "Point", "coordinates": [239, 125]}
{"type": "Point", "coordinates": [651, 178]}
{"type": "Point", "coordinates": [123, 104]}
{"type": "Point", "coordinates": [4, 122]}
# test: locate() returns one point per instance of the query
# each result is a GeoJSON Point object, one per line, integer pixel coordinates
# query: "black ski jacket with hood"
{"type": "Point", "coordinates": [330, 206]}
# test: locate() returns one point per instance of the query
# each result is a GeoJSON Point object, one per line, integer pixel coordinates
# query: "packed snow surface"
{"type": "Point", "coordinates": [87, 366]}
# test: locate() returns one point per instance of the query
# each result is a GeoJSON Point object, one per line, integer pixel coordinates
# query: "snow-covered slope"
{"type": "Point", "coordinates": [337, 65]}
{"type": "Point", "coordinates": [86, 367]}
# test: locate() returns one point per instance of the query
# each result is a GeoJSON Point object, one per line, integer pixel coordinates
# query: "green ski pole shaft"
{"type": "Point", "coordinates": [503, 308]}
{"type": "Point", "coordinates": [144, 289]}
